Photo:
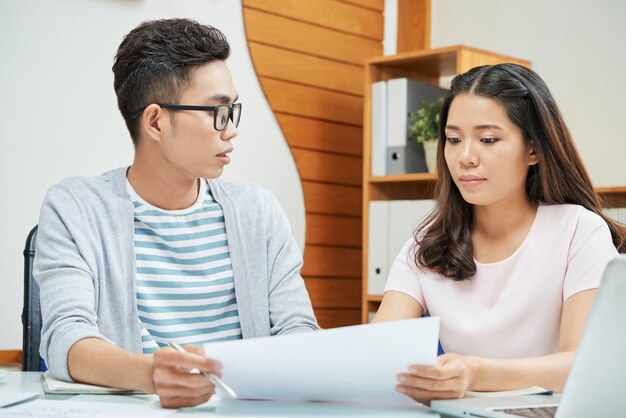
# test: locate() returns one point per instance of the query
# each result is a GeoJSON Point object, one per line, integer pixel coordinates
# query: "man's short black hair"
{"type": "Point", "coordinates": [154, 61]}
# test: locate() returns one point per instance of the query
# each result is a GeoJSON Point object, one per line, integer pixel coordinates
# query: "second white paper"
{"type": "Point", "coordinates": [357, 363]}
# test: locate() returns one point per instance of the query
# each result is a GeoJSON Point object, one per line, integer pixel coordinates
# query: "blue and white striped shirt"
{"type": "Point", "coordinates": [185, 286]}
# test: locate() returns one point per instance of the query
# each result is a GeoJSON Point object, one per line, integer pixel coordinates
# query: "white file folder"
{"type": "Point", "coordinates": [404, 154]}
{"type": "Point", "coordinates": [377, 247]}
{"type": "Point", "coordinates": [391, 225]}
{"type": "Point", "coordinates": [379, 128]}
{"type": "Point", "coordinates": [401, 222]}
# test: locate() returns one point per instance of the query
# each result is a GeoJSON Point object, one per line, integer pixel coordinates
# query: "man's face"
{"type": "Point", "coordinates": [190, 141]}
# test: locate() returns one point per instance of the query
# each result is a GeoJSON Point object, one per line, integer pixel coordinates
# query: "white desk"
{"type": "Point", "coordinates": [30, 382]}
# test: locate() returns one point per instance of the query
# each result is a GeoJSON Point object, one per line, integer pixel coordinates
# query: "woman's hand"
{"type": "Point", "coordinates": [173, 380]}
{"type": "Point", "coordinates": [449, 378]}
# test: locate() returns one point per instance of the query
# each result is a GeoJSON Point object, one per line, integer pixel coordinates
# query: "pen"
{"type": "Point", "coordinates": [214, 379]}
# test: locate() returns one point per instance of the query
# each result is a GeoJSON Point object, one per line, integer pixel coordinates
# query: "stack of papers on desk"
{"type": "Point", "coordinates": [43, 408]}
{"type": "Point", "coordinates": [13, 398]}
{"type": "Point", "coordinates": [358, 363]}
{"type": "Point", "coordinates": [53, 385]}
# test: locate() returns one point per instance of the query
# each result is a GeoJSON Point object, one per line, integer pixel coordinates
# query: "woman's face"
{"type": "Point", "coordinates": [485, 152]}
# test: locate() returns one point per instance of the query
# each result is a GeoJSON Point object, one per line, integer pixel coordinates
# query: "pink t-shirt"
{"type": "Point", "coordinates": [512, 308]}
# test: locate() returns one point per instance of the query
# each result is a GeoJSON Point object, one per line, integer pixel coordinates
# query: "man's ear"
{"type": "Point", "coordinates": [533, 156]}
{"type": "Point", "coordinates": [151, 121]}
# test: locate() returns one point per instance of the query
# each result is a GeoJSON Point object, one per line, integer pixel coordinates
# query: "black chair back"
{"type": "Point", "coordinates": [31, 312]}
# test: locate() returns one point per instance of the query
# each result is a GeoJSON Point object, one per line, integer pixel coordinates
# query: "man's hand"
{"type": "Point", "coordinates": [173, 381]}
{"type": "Point", "coordinates": [449, 378]}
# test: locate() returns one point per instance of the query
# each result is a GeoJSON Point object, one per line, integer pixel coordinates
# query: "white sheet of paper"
{"type": "Point", "coordinates": [53, 385]}
{"type": "Point", "coordinates": [10, 398]}
{"type": "Point", "coordinates": [42, 408]}
{"type": "Point", "coordinates": [357, 363]}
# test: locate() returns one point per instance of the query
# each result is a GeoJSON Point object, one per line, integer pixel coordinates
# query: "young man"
{"type": "Point", "coordinates": [163, 251]}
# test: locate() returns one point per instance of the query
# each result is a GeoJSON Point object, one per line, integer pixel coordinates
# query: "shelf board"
{"type": "Point", "coordinates": [372, 303]}
{"type": "Point", "coordinates": [402, 186]}
{"type": "Point", "coordinates": [611, 190]}
{"type": "Point", "coordinates": [615, 197]}
{"type": "Point", "coordinates": [394, 178]}
{"type": "Point", "coordinates": [429, 64]}
{"type": "Point", "coordinates": [422, 186]}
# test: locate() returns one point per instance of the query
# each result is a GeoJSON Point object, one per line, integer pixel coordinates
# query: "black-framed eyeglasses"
{"type": "Point", "coordinates": [221, 113]}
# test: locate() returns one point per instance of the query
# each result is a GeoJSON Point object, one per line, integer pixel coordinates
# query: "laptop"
{"type": "Point", "coordinates": [596, 385]}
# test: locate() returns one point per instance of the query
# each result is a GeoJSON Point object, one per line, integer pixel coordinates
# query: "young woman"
{"type": "Point", "coordinates": [511, 257]}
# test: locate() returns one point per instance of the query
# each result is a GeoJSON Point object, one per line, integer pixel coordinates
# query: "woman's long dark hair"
{"type": "Point", "coordinates": [443, 240]}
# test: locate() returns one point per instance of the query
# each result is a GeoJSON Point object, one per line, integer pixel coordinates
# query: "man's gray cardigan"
{"type": "Point", "coordinates": [85, 265]}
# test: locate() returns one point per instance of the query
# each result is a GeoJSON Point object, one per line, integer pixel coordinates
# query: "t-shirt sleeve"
{"type": "Point", "coordinates": [404, 275]}
{"type": "Point", "coordinates": [590, 251]}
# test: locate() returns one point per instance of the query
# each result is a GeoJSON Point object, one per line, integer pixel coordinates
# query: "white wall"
{"type": "Point", "coordinates": [576, 46]}
{"type": "Point", "coordinates": [59, 115]}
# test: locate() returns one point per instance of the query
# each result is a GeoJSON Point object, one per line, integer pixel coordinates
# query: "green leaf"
{"type": "Point", "coordinates": [425, 120]}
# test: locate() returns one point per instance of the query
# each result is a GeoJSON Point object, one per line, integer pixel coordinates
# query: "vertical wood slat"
{"type": "Point", "coordinates": [309, 63]}
{"type": "Point", "coordinates": [413, 25]}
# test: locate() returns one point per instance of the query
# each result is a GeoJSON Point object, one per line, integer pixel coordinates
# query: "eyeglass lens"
{"type": "Point", "coordinates": [223, 112]}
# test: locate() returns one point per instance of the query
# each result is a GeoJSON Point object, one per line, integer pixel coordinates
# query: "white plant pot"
{"type": "Point", "coordinates": [430, 152]}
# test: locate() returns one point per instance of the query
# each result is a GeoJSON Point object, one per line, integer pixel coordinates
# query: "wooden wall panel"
{"type": "Point", "coordinates": [329, 168]}
{"type": "Point", "coordinates": [309, 58]}
{"type": "Point", "coordinates": [301, 68]}
{"type": "Point", "coordinates": [376, 5]}
{"type": "Point", "coordinates": [332, 292]}
{"type": "Point", "coordinates": [13, 357]}
{"type": "Point", "coordinates": [343, 17]}
{"type": "Point", "coordinates": [331, 318]}
{"type": "Point", "coordinates": [294, 35]}
{"type": "Point", "coordinates": [332, 199]}
{"type": "Point", "coordinates": [312, 102]}
{"type": "Point", "coordinates": [307, 133]}
{"type": "Point", "coordinates": [333, 230]}
{"type": "Point", "coordinates": [331, 262]}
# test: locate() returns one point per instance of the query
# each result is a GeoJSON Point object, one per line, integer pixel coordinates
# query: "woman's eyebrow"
{"type": "Point", "coordinates": [488, 126]}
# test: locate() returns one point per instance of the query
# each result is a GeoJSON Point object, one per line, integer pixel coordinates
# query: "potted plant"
{"type": "Point", "coordinates": [423, 127]}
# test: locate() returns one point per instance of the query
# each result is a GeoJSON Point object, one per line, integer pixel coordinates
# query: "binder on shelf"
{"type": "Point", "coordinates": [391, 225]}
{"type": "Point", "coordinates": [401, 223]}
{"type": "Point", "coordinates": [404, 217]}
{"type": "Point", "coordinates": [404, 95]}
{"type": "Point", "coordinates": [379, 128]}
{"type": "Point", "coordinates": [377, 244]}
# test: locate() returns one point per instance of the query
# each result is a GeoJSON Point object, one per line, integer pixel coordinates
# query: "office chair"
{"type": "Point", "coordinates": [31, 312]}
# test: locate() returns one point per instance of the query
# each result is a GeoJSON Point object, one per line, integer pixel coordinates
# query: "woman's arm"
{"type": "Point", "coordinates": [454, 374]}
{"type": "Point", "coordinates": [397, 305]}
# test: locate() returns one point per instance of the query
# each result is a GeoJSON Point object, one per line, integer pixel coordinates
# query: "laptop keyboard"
{"type": "Point", "coordinates": [535, 412]}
